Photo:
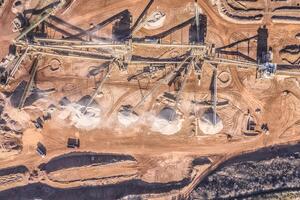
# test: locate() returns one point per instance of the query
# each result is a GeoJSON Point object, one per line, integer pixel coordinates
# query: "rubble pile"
{"type": "Point", "coordinates": [251, 175]}
{"type": "Point", "coordinates": [10, 132]}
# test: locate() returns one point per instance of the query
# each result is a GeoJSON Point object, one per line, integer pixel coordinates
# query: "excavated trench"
{"type": "Point", "coordinates": [116, 191]}
{"type": "Point", "coordinates": [13, 170]}
{"type": "Point", "coordinates": [12, 175]}
{"type": "Point", "coordinates": [81, 159]}
{"type": "Point", "coordinates": [266, 171]}
{"type": "Point", "coordinates": [201, 161]}
{"type": "Point", "coordinates": [291, 18]}
{"type": "Point", "coordinates": [131, 189]}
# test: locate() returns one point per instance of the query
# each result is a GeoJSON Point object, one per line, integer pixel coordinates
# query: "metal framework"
{"type": "Point", "coordinates": [75, 47]}
{"type": "Point", "coordinates": [29, 83]}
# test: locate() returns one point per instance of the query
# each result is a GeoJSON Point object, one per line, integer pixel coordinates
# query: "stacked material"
{"type": "Point", "coordinates": [155, 20]}
{"type": "Point", "coordinates": [82, 120]}
{"type": "Point", "coordinates": [127, 117]}
{"type": "Point", "coordinates": [85, 120]}
{"type": "Point", "coordinates": [206, 123]}
{"type": "Point", "coordinates": [167, 122]}
{"type": "Point", "coordinates": [18, 6]}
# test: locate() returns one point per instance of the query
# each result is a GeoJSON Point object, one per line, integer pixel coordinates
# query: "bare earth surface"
{"type": "Point", "coordinates": [119, 161]}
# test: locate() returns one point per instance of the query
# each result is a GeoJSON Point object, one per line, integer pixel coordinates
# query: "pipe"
{"type": "Point", "coordinates": [99, 88]}
{"type": "Point", "coordinates": [29, 84]}
{"type": "Point", "coordinates": [45, 15]}
{"type": "Point", "coordinates": [168, 45]}
{"type": "Point", "coordinates": [82, 44]}
{"type": "Point", "coordinates": [214, 98]}
{"type": "Point", "coordinates": [139, 19]}
{"type": "Point", "coordinates": [73, 56]}
{"type": "Point", "coordinates": [158, 84]}
{"type": "Point", "coordinates": [66, 50]}
{"type": "Point", "coordinates": [17, 64]}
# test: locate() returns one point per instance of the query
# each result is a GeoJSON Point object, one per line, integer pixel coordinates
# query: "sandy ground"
{"type": "Point", "coordinates": [159, 158]}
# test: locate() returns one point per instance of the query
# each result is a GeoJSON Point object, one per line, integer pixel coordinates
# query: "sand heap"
{"type": "Point", "coordinates": [155, 20]}
{"type": "Point", "coordinates": [75, 113]}
{"type": "Point", "coordinates": [206, 123]}
{"type": "Point", "coordinates": [167, 122]}
{"type": "Point", "coordinates": [126, 117]}
{"type": "Point", "coordinates": [86, 121]}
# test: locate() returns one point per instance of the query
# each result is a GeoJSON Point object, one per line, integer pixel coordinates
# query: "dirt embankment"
{"type": "Point", "coordinates": [130, 188]}
{"type": "Point", "coordinates": [81, 159]}
{"type": "Point", "coordinates": [13, 176]}
{"type": "Point", "coordinates": [269, 170]}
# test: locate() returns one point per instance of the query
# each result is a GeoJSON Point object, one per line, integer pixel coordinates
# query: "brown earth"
{"type": "Point", "coordinates": [159, 158]}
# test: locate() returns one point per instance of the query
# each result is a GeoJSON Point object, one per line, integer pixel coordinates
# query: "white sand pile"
{"type": "Point", "coordinates": [86, 121]}
{"type": "Point", "coordinates": [155, 20]}
{"type": "Point", "coordinates": [126, 118]}
{"type": "Point", "coordinates": [206, 124]}
{"type": "Point", "coordinates": [167, 122]}
{"type": "Point", "coordinates": [166, 127]}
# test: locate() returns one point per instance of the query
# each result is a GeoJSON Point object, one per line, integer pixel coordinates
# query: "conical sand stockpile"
{"type": "Point", "coordinates": [127, 117]}
{"type": "Point", "coordinates": [167, 122]}
{"type": "Point", "coordinates": [86, 121]}
{"type": "Point", "coordinates": [206, 123]}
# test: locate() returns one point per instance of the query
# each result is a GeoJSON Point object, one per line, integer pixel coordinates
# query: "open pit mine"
{"type": "Point", "coordinates": [149, 99]}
